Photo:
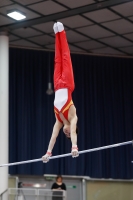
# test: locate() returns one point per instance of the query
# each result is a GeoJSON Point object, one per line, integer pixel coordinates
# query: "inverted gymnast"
{"type": "Point", "coordinates": [65, 111]}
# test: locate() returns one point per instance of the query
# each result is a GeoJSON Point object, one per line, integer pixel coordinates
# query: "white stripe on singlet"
{"type": "Point", "coordinates": [61, 97]}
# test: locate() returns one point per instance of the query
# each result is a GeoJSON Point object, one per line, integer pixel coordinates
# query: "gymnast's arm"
{"type": "Point", "coordinates": [73, 130]}
{"type": "Point", "coordinates": [73, 125]}
{"type": "Point", "coordinates": [57, 126]}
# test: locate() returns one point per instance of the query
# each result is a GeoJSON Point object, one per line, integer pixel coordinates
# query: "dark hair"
{"type": "Point", "coordinates": [58, 176]}
{"type": "Point", "coordinates": [77, 132]}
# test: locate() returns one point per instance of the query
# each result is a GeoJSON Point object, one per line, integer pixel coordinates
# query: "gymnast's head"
{"type": "Point", "coordinates": [66, 130]}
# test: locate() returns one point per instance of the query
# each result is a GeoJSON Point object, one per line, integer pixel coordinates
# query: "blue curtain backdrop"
{"type": "Point", "coordinates": [104, 100]}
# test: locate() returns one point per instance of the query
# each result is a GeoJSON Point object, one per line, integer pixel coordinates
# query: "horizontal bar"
{"type": "Point", "coordinates": [69, 154]}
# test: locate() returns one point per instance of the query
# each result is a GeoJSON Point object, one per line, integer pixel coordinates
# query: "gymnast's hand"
{"type": "Point", "coordinates": [45, 158]}
{"type": "Point", "coordinates": [74, 151]}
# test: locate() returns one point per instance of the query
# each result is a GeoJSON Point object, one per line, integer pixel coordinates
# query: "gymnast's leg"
{"type": "Point", "coordinates": [57, 59]}
{"type": "Point", "coordinates": [67, 70]}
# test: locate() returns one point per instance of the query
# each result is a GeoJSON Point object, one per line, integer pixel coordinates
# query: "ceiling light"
{"type": "Point", "coordinates": [16, 15]}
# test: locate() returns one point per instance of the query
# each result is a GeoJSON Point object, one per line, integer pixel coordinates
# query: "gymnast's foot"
{"type": "Point", "coordinates": [60, 26]}
{"type": "Point", "coordinates": [55, 28]}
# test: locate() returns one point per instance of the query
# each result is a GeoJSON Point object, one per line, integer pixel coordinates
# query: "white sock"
{"type": "Point", "coordinates": [55, 28]}
{"type": "Point", "coordinates": [60, 26]}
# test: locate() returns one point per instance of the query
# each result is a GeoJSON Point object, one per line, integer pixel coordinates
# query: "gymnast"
{"type": "Point", "coordinates": [65, 111]}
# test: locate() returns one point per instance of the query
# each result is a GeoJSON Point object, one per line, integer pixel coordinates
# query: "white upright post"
{"type": "Point", "coordinates": [4, 91]}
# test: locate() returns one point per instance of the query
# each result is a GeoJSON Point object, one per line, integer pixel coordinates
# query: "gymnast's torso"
{"type": "Point", "coordinates": [62, 104]}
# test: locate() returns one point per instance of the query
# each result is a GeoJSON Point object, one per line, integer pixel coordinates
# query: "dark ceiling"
{"type": "Point", "coordinates": [92, 26]}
